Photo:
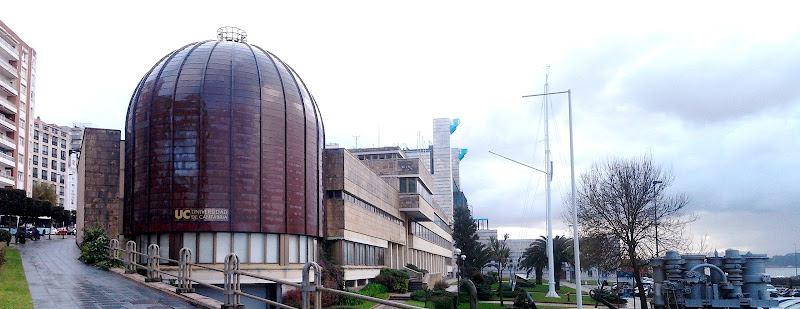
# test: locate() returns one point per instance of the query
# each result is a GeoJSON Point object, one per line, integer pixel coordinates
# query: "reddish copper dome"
{"type": "Point", "coordinates": [223, 127]}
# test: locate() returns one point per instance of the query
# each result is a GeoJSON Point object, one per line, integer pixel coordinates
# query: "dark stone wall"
{"type": "Point", "coordinates": [99, 181]}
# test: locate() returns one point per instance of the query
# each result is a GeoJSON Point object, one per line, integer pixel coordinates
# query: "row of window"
{"type": "Point", "coordinates": [46, 139]}
{"type": "Point", "coordinates": [339, 194]}
{"type": "Point", "coordinates": [255, 248]}
{"type": "Point", "coordinates": [46, 151]}
{"type": "Point", "coordinates": [53, 163]}
{"type": "Point", "coordinates": [361, 254]}
{"type": "Point", "coordinates": [54, 177]}
{"type": "Point", "coordinates": [46, 128]}
{"type": "Point", "coordinates": [423, 232]}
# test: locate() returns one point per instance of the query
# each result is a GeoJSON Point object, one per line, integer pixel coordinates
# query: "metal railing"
{"type": "Point", "coordinates": [6, 176]}
{"type": "Point", "coordinates": [6, 156]}
{"type": "Point", "coordinates": [231, 274]}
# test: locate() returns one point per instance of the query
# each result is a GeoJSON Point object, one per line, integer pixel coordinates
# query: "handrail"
{"type": "Point", "coordinates": [231, 275]}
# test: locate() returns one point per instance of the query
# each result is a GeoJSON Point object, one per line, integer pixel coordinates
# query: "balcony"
{"type": "Point", "coordinates": [6, 180]}
{"type": "Point", "coordinates": [6, 106]}
{"type": "Point", "coordinates": [7, 88]}
{"type": "Point", "coordinates": [8, 70]}
{"type": "Point", "coordinates": [415, 207]}
{"type": "Point", "coordinates": [6, 160]}
{"type": "Point", "coordinates": [7, 123]}
{"type": "Point", "coordinates": [7, 143]}
{"type": "Point", "coordinates": [8, 51]}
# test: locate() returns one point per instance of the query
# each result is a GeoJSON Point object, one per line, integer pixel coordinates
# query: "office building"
{"type": "Point", "coordinates": [17, 88]}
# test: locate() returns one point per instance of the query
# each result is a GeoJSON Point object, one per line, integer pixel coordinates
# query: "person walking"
{"type": "Point", "coordinates": [21, 235]}
{"type": "Point", "coordinates": [35, 233]}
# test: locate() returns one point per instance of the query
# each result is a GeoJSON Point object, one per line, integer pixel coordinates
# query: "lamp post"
{"type": "Point", "coordinates": [655, 211]}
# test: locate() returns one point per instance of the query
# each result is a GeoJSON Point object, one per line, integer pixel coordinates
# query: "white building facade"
{"type": "Point", "coordinates": [50, 158]}
{"type": "Point", "coordinates": [17, 81]}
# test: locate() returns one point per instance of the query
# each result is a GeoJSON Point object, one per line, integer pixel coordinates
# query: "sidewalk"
{"type": "Point", "coordinates": [57, 279]}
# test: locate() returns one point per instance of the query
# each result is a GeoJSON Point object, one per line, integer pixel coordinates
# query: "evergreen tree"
{"type": "Point", "coordinates": [466, 238]}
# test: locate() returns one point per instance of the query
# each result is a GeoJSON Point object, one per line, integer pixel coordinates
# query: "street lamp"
{"type": "Point", "coordinates": [655, 211]}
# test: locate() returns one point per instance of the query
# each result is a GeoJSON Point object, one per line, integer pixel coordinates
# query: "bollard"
{"type": "Point", "coordinates": [153, 264]}
{"type": "Point", "coordinates": [130, 249]}
{"type": "Point", "coordinates": [185, 271]}
{"type": "Point", "coordinates": [232, 282]}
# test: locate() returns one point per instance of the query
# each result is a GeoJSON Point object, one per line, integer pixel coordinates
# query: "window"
{"type": "Point", "coordinates": [63, 141]}
{"type": "Point", "coordinates": [63, 167]}
{"type": "Point", "coordinates": [53, 165]}
{"type": "Point", "coordinates": [44, 174]}
{"type": "Point", "coordinates": [35, 160]}
{"type": "Point", "coordinates": [63, 155]}
{"type": "Point", "coordinates": [55, 141]}
{"type": "Point", "coordinates": [35, 147]}
{"type": "Point", "coordinates": [35, 172]}
{"type": "Point", "coordinates": [44, 162]}
{"type": "Point", "coordinates": [44, 150]}
{"type": "Point", "coordinates": [61, 202]}
{"type": "Point", "coordinates": [60, 178]}
{"type": "Point", "coordinates": [46, 137]}
{"type": "Point", "coordinates": [53, 177]}
{"type": "Point", "coordinates": [408, 185]}
{"type": "Point", "coordinates": [55, 153]}
{"type": "Point", "coordinates": [61, 190]}
{"type": "Point", "coordinates": [35, 135]}
{"type": "Point", "coordinates": [36, 125]}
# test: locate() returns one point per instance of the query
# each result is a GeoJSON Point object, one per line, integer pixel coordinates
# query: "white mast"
{"type": "Point", "coordinates": [551, 282]}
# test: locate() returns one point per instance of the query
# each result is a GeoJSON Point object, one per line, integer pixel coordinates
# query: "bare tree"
{"type": "Point", "coordinates": [625, 199]}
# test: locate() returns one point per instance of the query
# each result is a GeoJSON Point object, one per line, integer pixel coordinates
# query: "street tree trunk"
{"type": "Point", "coordinates": [637, 277]}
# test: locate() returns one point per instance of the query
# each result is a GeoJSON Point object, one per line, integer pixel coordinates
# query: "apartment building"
{"type": "Point", "coordinates": [50, 158]}
{"type": "Point", "coordinates": [17, 82]}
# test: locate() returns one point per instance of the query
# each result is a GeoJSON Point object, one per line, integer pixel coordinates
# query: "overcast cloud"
{"type": "Point", "coordinates": [709, 90]}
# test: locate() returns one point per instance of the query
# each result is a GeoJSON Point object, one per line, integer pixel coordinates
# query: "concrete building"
{"type": "Point", "coordinates": [50, 159]}
{"type": "Point", "coordinates": [17, 88]}
{"type": "Point", "coordinates": [442, 163]}
{"type": "Point", "coordinates": [381, 212]}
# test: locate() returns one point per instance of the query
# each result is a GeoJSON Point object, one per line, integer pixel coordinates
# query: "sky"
{"type": "Point", "coordinates": [709, 90]}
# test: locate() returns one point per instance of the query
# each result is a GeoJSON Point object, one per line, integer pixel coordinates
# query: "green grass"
{"type": "Point", "coordinates": [14, 291]}
{"type": "Point", "coordinates": [480, 305]}
{"type": "Point", "coordinates": [369, 304]}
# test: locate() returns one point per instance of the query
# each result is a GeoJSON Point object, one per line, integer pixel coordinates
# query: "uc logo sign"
{"type": "Point", "coordinates": [182, 214]}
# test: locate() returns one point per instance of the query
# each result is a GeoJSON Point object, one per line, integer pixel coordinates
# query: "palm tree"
{"type": "Point", "coordinates": [562, 253]}
{"type": "Point", "coordinates": [535, 258]}
{"type": "Point", "coordinates": [500, 253]}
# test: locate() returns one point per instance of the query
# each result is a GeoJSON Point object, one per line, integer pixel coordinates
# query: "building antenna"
{"type": "Point", "coordinates": [356, 136]}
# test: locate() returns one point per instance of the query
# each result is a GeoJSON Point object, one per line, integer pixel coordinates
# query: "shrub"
{"type": "Point", "coordinates": [484, 291]}
{"type": "Point", "coordinates": [94, 251]}
{"type": "Point", "coordinates": [294, 298]}
{"type": "Point", "coordinates": [525, 284]}
{"type": "Point", "coordinates": [478, 278]}
{"type": "Point", "coordinates": [349, 301]}
{"type": "Point", "coordinates": [5, 236]}
{"type": "Point", "coordinates": [373, 289]}
{"type": "Point", "coordinates": [395, 280]}
{"type": "Point", "coordinates": [417, 269]}
{"type": "Point", "coordinates": [419, 295]}
{"type": "Point", "coordinates": [441, 285]}
{"type": "Point", "coordinates": [442, 302]}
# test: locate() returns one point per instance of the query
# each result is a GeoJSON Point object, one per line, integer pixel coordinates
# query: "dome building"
{"type": "Point", "coordinates": [223, 153]}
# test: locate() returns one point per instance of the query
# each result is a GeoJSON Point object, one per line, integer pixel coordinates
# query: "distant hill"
{"type": "Point", "coordinates": [783, 260]}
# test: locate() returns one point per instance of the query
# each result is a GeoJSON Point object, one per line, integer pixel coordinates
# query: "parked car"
{"type": "Point", "coordinates": [62, 231]}
{"type": "Point", "coordinates": [773, 292]}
